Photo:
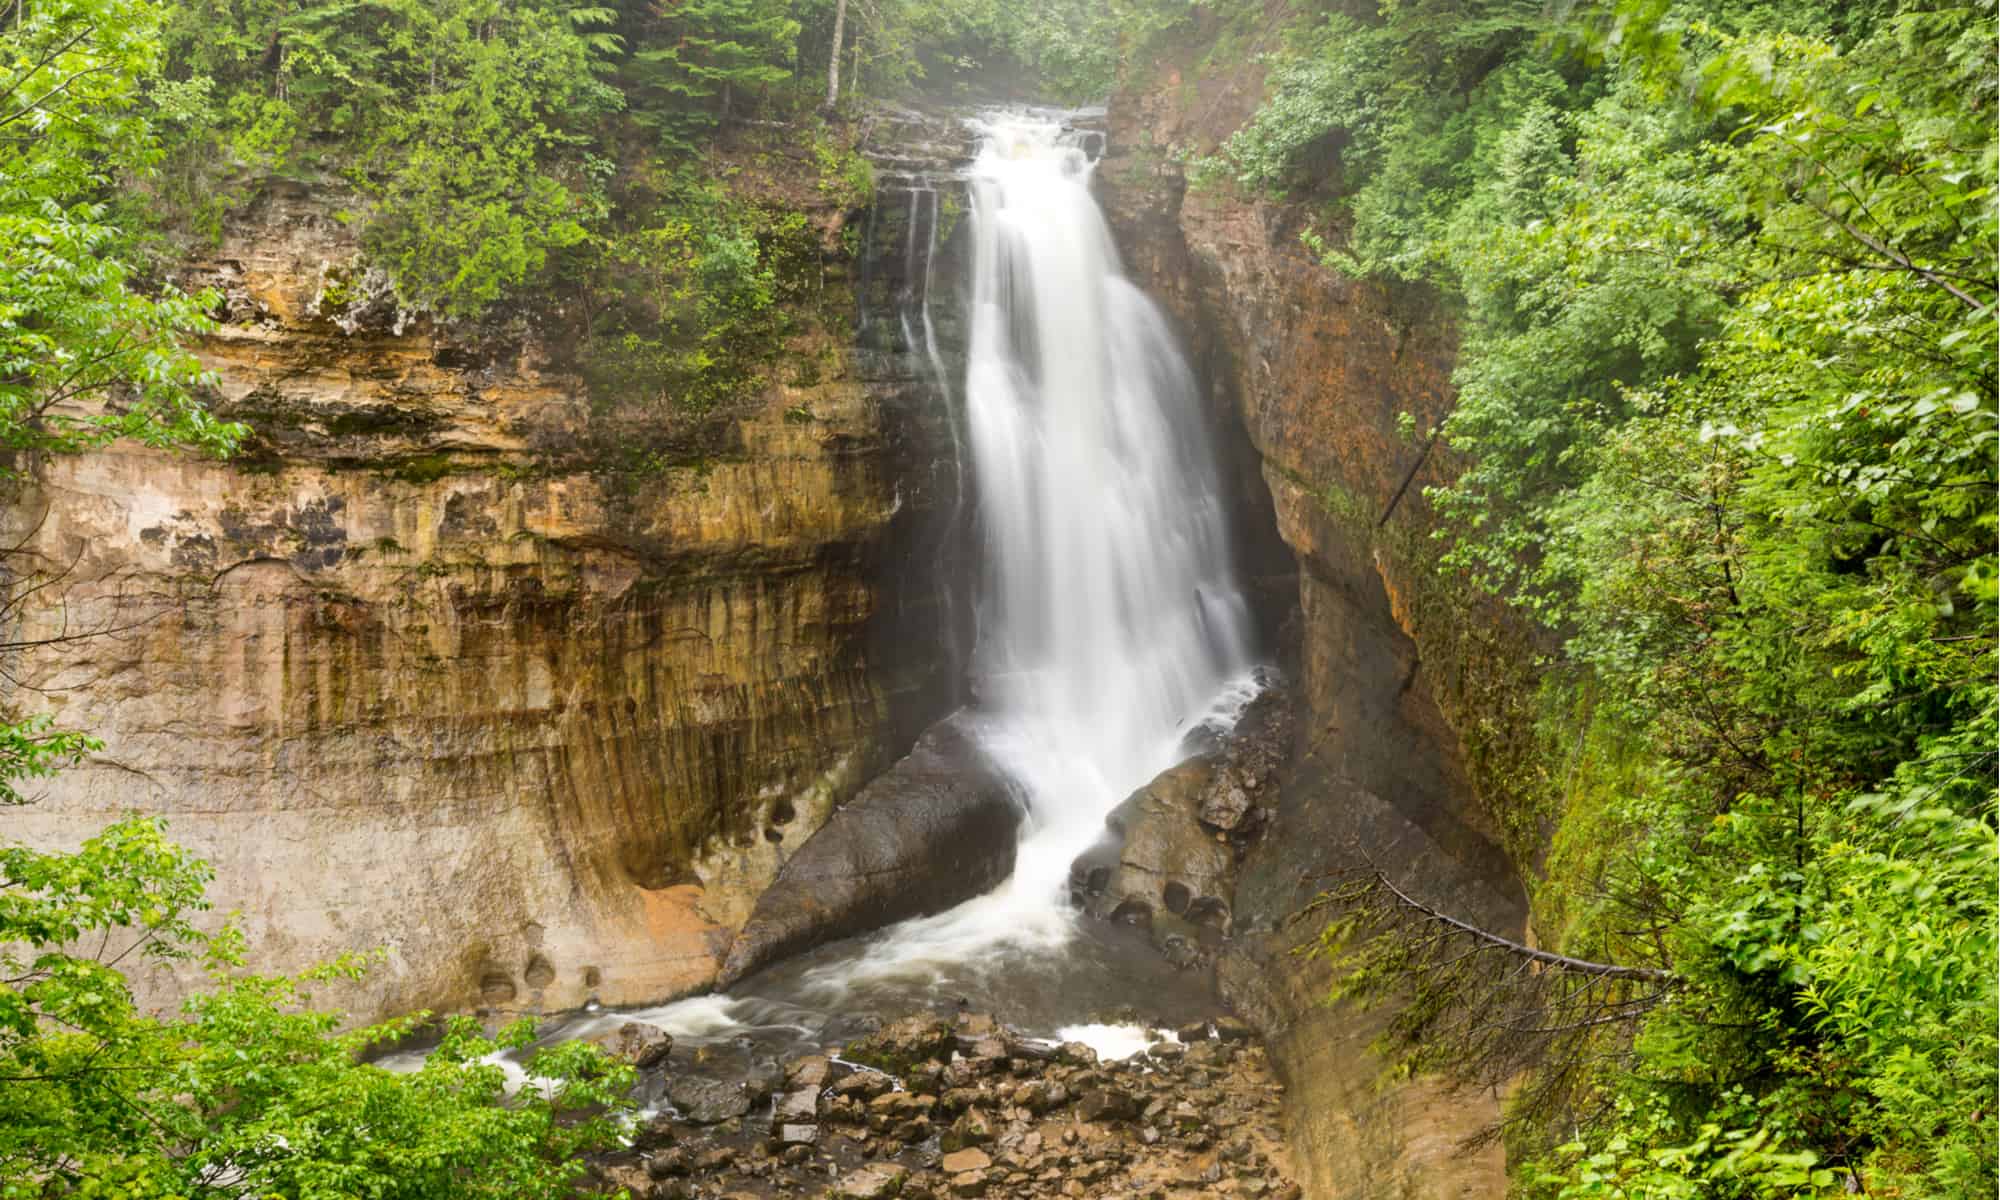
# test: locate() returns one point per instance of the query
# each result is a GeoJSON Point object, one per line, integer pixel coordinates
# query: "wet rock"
{"type": "Point", "coordinates": [1167, 862]}
{"type": "Point", "coordinates": [812, 1071]}
{"type": "Point", "coordinates": [877, 1182]}
{"type": "Point", "coordinates": [656, 1132]}
{"type": "Point", "coordinates": [1231, 1029]}
{"type": "Point", "coordinates": [797, 1135]}
{"type": "Point", "coordinates": [899, 1046]}
{"type": "Point", "coordinates": [801, 1106]}
{"type": "Point", "coordinates": [703, 1101]}
{"type": "Point", "coordinates": [630, 1177]}
{"type": "Point", "coordinates": [1076, 1054]}
{"type": "Point", "coordinates": [1105, 1104]}
{"type": "Point", "coordinates": [863, 1086]}
{"type": "Point", "coordinates": [927, 1077]}
{"type": "Point", "coordinates": [974, 1127]}
{"type": "Point", "coordinates": [935, 829]}
{"type": "Point", "coordinates": [637, 1043]}
{"type": "Point", "coordinates": [1031, 1126]}
{"type": "Point", "coordinates": [1180, 951]}
{"type": "Point", "coordinates": [960, 1161]}
{"type": "Point", "coordinates": [1226, 804]}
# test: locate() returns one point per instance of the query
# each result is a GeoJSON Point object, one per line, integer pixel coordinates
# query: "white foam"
{"type": "Point", "coordinates": [1115, 1043]}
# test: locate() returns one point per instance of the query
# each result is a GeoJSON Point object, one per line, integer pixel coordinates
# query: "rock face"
{"type": "Point", "coordinates": [1172, 850]}
{"type": "Point", "coordinates": [441, 665]}
{"type": "Point", "coordinates": [1317, 369]}
{"type": "Point", "coordinates": [935, 829]}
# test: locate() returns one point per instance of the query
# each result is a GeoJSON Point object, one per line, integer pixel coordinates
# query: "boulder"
{"type": "Point", "coordinates": [637, 1043]}
{"type": "Point", "coordinates": [797, 1135]}
{"type": "Point", "coordinates": [799, 1107]}
{"type": "Point", "coordinates": [703, 1101]}
{"type": "Point", "coordinates": [1158, 864]}
{"type": "Point", "coordinates": [811, 1071]}
{"type": "Point", "coordinates": [1105, 1104]}
{"type": "Point", "coordinates": [966, 1160]}
{"type": "Point", "coordinates": [877, 1181]}
{"type": "Point", "coordinates": [936, 829]}
{"type": "Point", "coordinates": [903, 1044]}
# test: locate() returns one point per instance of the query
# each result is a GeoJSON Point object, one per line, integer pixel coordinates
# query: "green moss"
{"type": "Point", "coordinates": [425, 468]}
{"type": "Point", "coordinates": [1482, 668]}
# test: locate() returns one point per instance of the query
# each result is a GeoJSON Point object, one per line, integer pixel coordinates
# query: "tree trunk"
{"type": "Point", "coordinates": [833, 60]}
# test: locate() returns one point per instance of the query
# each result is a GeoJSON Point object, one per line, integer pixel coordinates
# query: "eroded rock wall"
{"type": "Point", "coordinates": [439, 666]}
{"type": "Point", "coordinates": [1386, 768]}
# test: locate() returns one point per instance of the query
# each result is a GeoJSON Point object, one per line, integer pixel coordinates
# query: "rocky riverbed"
{"type": "Point", "coordinates": [935, 1107]}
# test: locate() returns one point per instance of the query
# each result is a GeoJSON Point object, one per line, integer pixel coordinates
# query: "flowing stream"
{"type": "Point", "coordinates": [1110, 629]}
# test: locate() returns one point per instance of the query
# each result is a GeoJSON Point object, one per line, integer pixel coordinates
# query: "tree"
{"type": "Point", "coordinates": [248, 1092]}
{"type": "Point", "coordinates": [1727, 394]}
{"type": "Point", "coordinates": [715, 47]}
{"type": "Point", "coordinates": [833, 59]}
{"type": "Point", "coordinates": [86, 354]}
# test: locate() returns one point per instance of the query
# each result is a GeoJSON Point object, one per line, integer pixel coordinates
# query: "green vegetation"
{"type": "Point", "coordinates": [578, 160]}
{"type": "Point", "coordinates": [84, 357]}
{"type": "Point", "coordinates": [1724, 273]}
{"type": "Point", "coordinates": [249, 1091]}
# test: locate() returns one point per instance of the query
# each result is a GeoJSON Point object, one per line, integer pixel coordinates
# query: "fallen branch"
{"type": "Point", "coordinates": [1562, 962]}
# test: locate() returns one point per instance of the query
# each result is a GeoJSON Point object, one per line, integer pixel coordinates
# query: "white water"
{"type": "Point", "coordinates": [1109, 621]}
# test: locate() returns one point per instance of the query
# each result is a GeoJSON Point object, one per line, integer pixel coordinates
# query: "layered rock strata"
{"type": "Point", "coordinates": [533, 689]}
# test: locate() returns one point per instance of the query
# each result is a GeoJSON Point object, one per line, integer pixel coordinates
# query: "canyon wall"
{"type": "Point", "coordinates": [1396, 672]}
{"type": "Point", "coordinates": [442, 665]}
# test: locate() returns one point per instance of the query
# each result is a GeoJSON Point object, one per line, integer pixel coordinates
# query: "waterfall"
{"type": "Point", "coordinates": [1110, 626]}
{"type": "Point", "coordinates": [1109, 613]}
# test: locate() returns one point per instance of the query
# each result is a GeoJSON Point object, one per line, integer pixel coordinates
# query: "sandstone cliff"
{"type": "Point", "coordinates": [1398, 674]}
{"type": "Point", "coordinates": [438, 666]}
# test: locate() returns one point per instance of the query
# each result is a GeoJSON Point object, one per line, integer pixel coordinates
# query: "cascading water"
{"type": "Point", "coordinates": [1110, 630]}
{"type": "Point", "coordinates": [1110, 620]}
{"type": "Point", "coordinates": [1110, 625]}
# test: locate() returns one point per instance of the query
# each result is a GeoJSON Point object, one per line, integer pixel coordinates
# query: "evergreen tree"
{"type": "Point", "coordinates": [705, 49]}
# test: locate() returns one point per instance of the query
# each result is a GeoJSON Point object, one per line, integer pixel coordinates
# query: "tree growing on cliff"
{"type": "Point", "coordinates": [249, 1091]}
{"type": "Point", "coordinates": [91, 350]}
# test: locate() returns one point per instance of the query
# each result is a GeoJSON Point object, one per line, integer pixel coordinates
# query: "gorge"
{"type": "Point", "coordinates": [643, 700]}
{"type": "Point", "coordinates": [1109, 598]}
